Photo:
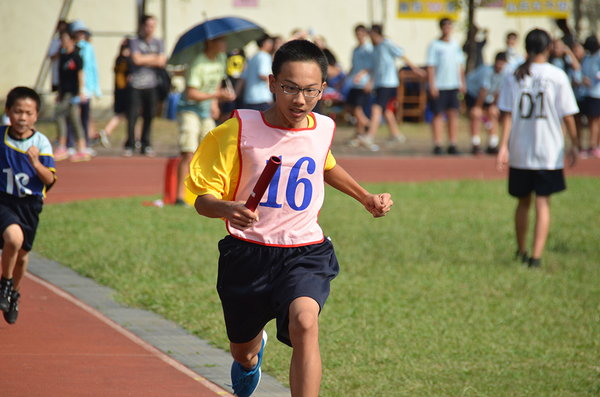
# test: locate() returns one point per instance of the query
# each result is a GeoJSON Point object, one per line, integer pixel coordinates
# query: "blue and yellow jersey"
{"type": "Point", "coordinates": [18, 177]}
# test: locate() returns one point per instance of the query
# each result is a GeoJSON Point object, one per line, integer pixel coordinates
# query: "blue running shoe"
{"type": "Point", "coordinates": [245, 383]}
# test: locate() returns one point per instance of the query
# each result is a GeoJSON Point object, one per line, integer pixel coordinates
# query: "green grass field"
{"type": "Point", "coordinates": [429, 301]}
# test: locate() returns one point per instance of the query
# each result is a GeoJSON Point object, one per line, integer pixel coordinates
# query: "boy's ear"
{"type": "Point", "coordinates": [272, 83]}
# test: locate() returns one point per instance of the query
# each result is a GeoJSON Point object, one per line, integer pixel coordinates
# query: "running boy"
{"type": "Point", "coordinates": [276, 263]}
{"type": "Point", "coordinates": [536, 99]}
{"type": "Point", "coordinates": [27, 172]}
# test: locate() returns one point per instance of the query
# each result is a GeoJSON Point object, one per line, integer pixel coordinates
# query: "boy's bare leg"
{"type": "Point", "coordinates": [182, 173]}
{"type": "Point", "coordinates": [390, 118]}
{"type": "Point", "coordinates": [475, 118]}
{"type": "Point", "coordinates": [452, 125]}
{"type": "Point", "coordinates": [247, 353]}
{"type": "Point", "coordinates": [437, 125]}
{"type": "Point", "coordinates": [522, 222]}
{"type": "Point", "coordinates": [20, 269]}
{"type": "Point", "coordinates": [305, 369]}
{"type": "Point", "coordinates": [542, 225]}
{"type": "Point", "coordinates": [376, 112]}
{"type": "Point", "coordinates": [362, 121]}
{"type": "Point", "coordinates": [13, 241]}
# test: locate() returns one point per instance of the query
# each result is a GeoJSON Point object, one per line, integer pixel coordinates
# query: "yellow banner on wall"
{"type": "Point", "coordinates": [547, 8]}
{"type": "Point", "coordinates": [427, 9]}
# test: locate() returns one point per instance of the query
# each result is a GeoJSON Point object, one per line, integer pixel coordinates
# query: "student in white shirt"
{"type": "Point", "coordinates": [537, 99]}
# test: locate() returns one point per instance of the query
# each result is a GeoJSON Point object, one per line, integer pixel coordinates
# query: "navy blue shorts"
{"type": "Point", "coordinates": [385, 94]}
{"type": "Point", "coordinates": [358, 97]}
{"type": "Point", "coordinates": [448, 99]}
{"type": "Point", "coordinates": [471, 101]}
{"type": "Point", "coordinates": [592, 106]}
{"type": "Point", "coordinates": [543, 182]}
{"type": "Point", "coordinates": [24, 212]}
{"type": "Point", "coordinates": [258, 283]}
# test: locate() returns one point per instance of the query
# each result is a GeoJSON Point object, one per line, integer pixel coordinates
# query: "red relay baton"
{"type": "Point", "coordinates": [263, 182]}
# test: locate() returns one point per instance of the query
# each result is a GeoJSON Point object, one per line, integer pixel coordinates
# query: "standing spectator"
{"type": "Point", "coordinates": [479, 44]}
{"type": "Point", "coordinates": [28, 167]}
{"type": "Point", "coordinates": [446, 73]}
{"type": "Point", "coordinates": [483, 87]}
{"type": "Point", "coordinates": [198, 107]}
{"type": "Point", "coordinates": [591, 78]}
{"type": "Point", "coordinates": [54, 52]}
{"type": "Point", "coordinates": [513, 58]}
{"type": "Point", "coordinates": [90, 73]}
{"type": "Point", "coordinates": [537, 99]}
{"type": "Point", "coordinates": [255, 78]}
{"type": "Point", "coordinates": [147, 54]}
{"type": "Point", "coordinates": [70, 93]}
{"type": "Point", "coordinates": [561, 56]}
{"type": "Point", "coordinates": [580, 91]}
{"type": "Point", "coordinates": [384, 81]}
{"type": "Point", "coordinates": [122, 93]}
{"type": "Point", "coordinates": [359, 96]}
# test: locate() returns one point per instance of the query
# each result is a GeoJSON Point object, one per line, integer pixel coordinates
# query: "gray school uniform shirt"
{"type": "Point", "coordinates": [144, 77]}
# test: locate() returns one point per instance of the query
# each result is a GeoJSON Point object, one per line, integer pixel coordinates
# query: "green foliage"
{"type": "Point", "coordinates": [429, 301]}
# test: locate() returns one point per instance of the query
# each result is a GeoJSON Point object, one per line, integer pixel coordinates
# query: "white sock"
{"type": "Point", "coordinates": [494, 141]}
{"type": "Point", "coordinates": [476, 141]}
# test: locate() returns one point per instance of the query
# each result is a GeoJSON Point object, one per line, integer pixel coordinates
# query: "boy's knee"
{"type": "Point", "coordinates": [476, 112]}
{"type": "Point", "coordinates": [13, 237]}
{"type": "Point", "coordinates": [304, 322]}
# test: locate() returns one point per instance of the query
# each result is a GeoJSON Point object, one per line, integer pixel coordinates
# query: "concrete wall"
{"type": "Point", "coordinates": [28, 26]}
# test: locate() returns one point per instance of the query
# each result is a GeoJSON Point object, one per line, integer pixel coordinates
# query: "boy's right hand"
{"type": "Point", "coordinates": [240, 217]}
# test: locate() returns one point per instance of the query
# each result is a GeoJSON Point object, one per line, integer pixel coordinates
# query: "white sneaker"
{"type": "Point", "coordinates": [395, 140]}
{"type": "Point", "coordinates": [104, 139]}
{"type": "Point", "coordinates": [367, 142]}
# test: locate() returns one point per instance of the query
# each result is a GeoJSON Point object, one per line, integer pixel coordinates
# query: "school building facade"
{"type": "Point", "coordinates": [28, 28]}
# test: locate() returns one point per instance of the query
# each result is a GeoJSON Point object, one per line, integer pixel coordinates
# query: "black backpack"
{"type": "Point", "coordinates": [163, 84]}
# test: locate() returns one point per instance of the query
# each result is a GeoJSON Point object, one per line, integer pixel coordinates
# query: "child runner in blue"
{"type": "Point", "coordinates": [27, 172]}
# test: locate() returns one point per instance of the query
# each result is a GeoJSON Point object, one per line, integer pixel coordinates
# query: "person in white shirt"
{"type": "Point", "coordinates": [537, 99]}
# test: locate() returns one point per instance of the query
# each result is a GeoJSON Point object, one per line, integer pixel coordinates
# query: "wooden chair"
{"type": "Point", "coordinates": [412, 96]}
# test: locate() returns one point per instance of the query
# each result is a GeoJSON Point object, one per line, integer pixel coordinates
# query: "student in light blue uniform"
{"type": "Point", "coordinates": [255, 78]}
{"type": "Point", "coordinates": [384, 81]}
{"type": "Point", "coordinates": [446, 72]}
{"type": "Point", "coordinates": [359, 96]}
{"type": "Point", "coordinates": [483, 87]}
{"type": "Point", "coordinates": [591, 78]}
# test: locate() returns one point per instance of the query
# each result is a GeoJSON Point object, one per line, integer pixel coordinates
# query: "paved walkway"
{"type": "Point", "coordinates": [73, 339]}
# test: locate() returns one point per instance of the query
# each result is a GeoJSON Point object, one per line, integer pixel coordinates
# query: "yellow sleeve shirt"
{"type": "Point", "coordinates": [215, 167]}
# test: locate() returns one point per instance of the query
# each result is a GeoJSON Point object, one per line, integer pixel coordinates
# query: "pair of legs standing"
{"type": "Point", "coordinates": [305, 367]}
{"type": "Point", "coordinates": [492, 113]}
{"type": "Point", "coordinates": [147, 99]}
{"type": "Point", "coordinates": [446, 102]}
{"type": "Point", "coordinates": [67, 109]}
{"type": "Point", "coordinates": [542, 224]}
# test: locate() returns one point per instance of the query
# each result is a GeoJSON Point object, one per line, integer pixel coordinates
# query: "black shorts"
{"type": "Point", "coordinates": [383, 95]}
{"type": "Point", "coordinates": [592, 106]}
{"type": "Point", "coordinates": [258, 283]}
{"type": "Point", "coordinates": [358, 97]}
{"type": "Point", "coordinates": [24, 212]}
{"type": "Point", "coordinates": [448, 99]}
{"type": "Point", "coordinates": [121, 105]}
{"type": "Point", "coordinates": [543, 182]}
{"type": "Point", "coordinates": [471, 101]}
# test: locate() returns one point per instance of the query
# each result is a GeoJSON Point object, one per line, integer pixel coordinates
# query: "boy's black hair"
{"type": "Point", "coordinates": [501, 56]}
{"type": "Point", "coordinates": [445, 21]}
{"type": "Point", "coordinates": [300, 51]}
{"type": "Point", "coordinates": [377, 29]}
{"type": "Point", "coordinates": [261, 41]}
{"type": "Point", "coordinates": [536, 42]}
{"type": "Point", "coordinates": [23, 93]}
{"type": "Point", "coordinates": [145, 18]}
{"type": "Point", "coordinates": [513, 34]}
{"type": "Point", "coordinates": [331, 61]}
{"type": "Point", "coordinates": [360, 27]}
{"type": "Point", "coordinates": [591, 44]}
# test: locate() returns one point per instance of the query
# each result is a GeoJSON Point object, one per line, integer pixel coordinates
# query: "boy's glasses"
{"type": "Point", "coordinates": [294, 90]}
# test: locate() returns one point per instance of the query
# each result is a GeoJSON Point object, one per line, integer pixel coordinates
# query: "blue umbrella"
{"type": "Point", "coordinates": [237, 31]}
